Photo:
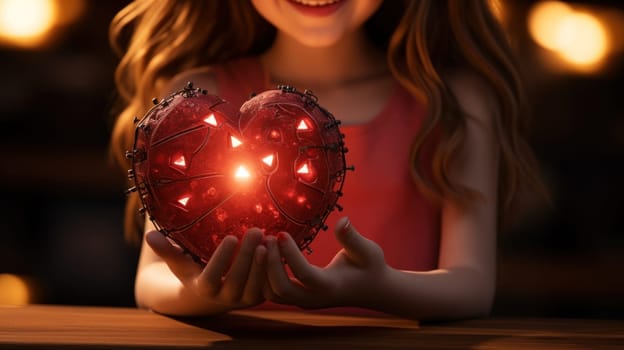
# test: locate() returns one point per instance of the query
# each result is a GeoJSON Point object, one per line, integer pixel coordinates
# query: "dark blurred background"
{"type": "Point", "coordinates": [61, 201]}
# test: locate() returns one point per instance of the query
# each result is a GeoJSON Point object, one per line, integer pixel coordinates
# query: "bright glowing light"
{"type": "Point", "coordinates": [578, 37]}
{"type": "Point", "coordinates": [180, 161]}
{"type": "Point", "coordinates": [184, 200]}
{"type": "Point", "coordinates": [235, 142]}
{"type": "Point", "coordinates": [302, 125]}
{"type": "Point", "coordinates": [211, 120]}
{"type": "Point", "coordinates": [544, 22]}
{"type": "Point", "coordinates": [242, 173]}
{"type": "Point", "coordinates": [306, 172]}
{"type": "Point", "coordinates": [583, 39]}
{"type": "Point", "coordinates": [13, 290]}
{"type": "Point", "coordinates": [27, 22]}
{"type": "Point", "coordinates": [301, 199]}
{"type": "Point", "coordinates": [268, 160]}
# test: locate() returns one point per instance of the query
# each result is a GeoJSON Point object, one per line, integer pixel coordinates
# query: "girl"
{"type": "Point", "coordinates": [429, 98]}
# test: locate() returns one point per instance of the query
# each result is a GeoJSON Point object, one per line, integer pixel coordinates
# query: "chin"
{"type": "Point", "coordinates": [318, 39]}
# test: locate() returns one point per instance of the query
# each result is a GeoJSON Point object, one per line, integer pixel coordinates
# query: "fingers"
{"type": "Point", "coordinates": [280, 289]}
{"type": "Point", "coordinates": [161, 245]}
{"type": "Point", "coordinates": [210, 280]}
{"type": "Point", "coordinates": [359, 249]}
{"type": "Point", "coordinates": [306, 273]}
{"type": "Point", "coordinates": [253, 292]}
{"type": "Point", "coordinates": [236, 278]}
{"type": "Point", "coordinates": [180, 264]}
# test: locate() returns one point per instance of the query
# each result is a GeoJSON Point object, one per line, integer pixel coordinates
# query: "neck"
{"type": "Point", "coordinates": [351, 60]}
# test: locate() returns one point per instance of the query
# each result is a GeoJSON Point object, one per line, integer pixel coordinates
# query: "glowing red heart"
{"type": "Point", "coordinates": [204, 169]}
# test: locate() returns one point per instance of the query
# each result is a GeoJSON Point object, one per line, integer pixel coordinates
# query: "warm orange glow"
{"type": "Point", "coordinates": [544, 21]}
{"type": "Point", "coordinates": [579, 38]}
{"type": "Point", "coordinates": [27, 23]}
{"type": "Point", "coordinates": [583, 39]}
{"type": "Point", "coordinates": [303, 169]}
{"type": "Point", "coordinates": [242, 173]}
{"type": "Point", "coordinates": [181, 162]}
{"type": "Point", "coordinates": [211, 120]}
{"type": "Point", "coordinates": [268, 160]}
{"type": "Point", "coordinates": [235, 142]}
{"type": "Point", "coordinates": [14, 290]}
{"type": "Point", "coordinates": [184, 200]}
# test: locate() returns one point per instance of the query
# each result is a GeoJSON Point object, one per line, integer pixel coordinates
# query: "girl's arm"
{"type": "Point", "coordinates": [463, 285]}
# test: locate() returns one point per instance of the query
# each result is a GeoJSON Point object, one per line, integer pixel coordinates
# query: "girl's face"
{"type": "Point", "coordinates": [316, 23]}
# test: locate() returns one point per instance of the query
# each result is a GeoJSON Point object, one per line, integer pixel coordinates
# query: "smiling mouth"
{"type": "Point", "coordinates": [312, 3]}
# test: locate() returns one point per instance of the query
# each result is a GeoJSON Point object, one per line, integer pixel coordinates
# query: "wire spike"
{"type": "Point", "coordinates": [130, 190]}
{"type": "Point", "coordinates": [286, 88]}
{"type": "Point", "coordinates": [130, 174]}
{"type": "Point", "coordinates": [155, 101]}
{"type": "Point", "coordinates": [339, 207]}
{"type": "Point", "coordinates": [311, 97]}
{"type": "Point", "coordinates": [332, 124]}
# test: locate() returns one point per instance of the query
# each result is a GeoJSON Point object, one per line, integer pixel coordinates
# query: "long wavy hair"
{"type": "Point", "coordinates": [423, 39]}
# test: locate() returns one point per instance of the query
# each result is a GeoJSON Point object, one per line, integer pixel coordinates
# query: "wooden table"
{"type": "Point", "coordinates": [64, 327]}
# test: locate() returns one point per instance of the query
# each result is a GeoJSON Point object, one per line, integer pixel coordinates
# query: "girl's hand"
{"type": "Point", "coordinates": [350, 279]}
{"type": "Point", "coordinates": [230, 279]}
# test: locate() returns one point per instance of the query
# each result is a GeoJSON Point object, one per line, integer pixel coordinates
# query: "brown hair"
{"type": "Point", "coordinates": [423, 39]}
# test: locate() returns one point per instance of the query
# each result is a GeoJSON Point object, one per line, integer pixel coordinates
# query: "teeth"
{"type": "Point", "coordinates": [315, 3]}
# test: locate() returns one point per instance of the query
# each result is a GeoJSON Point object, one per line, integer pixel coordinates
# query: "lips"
{"type": "Point", "coordinates": [317, 8]}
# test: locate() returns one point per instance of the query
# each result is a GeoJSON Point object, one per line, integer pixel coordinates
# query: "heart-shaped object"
{"type": "Point", "coordinates": [204, 169]}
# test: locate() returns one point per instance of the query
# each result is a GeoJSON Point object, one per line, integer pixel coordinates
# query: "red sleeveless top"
{"type": "Point", "coordinates": [380, 197]}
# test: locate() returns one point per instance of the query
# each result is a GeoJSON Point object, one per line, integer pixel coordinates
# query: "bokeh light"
{"type": "Point", "coordinates": [582, 39]}
{"type": "Point", "coordinates": [32, 23]}
{"type": "Point", "coordinates": [579, 38]}
{"type": "Point", "coordinates": [26, 22]}
{"type": "Point", "coordinates": [14, 290]}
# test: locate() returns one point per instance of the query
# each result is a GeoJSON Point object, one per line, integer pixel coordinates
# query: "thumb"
{"type": "Point", "coordinates": [179, 263]}
{"type": "Point", "coordinates": [361, 250]}
{"type": "Point", "coordinates": [161, 245]}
